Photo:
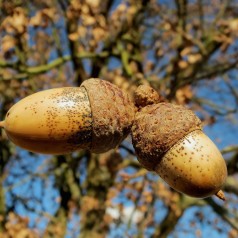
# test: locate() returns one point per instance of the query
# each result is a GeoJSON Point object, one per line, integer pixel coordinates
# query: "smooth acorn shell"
{"type": "Point", "coordinates": [193, 166]}
{"type": "Point", "coordinates": [54, 121]}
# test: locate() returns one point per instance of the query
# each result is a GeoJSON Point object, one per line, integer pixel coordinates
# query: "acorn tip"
{"type": "Point", "coordinates": [221, 195]}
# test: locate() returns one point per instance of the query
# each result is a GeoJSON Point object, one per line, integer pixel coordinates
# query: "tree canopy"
{"type": "Point", "coordinates": [186, 50]}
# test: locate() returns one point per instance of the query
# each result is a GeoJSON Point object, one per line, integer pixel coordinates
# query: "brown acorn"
{"type": "Point", "coordinates": [96, 116]}
{"type": "Point", "coordinates": [169, 140]}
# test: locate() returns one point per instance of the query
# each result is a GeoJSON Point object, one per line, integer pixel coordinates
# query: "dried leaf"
{"type": "Point", "coordinates": [82, 31]}
{"type": "Point", "coordinates": [8, 42]}
{"type": "Point", "coordinates": [183, 95]}
{"type": "Point", "coordinates": [16, 22]}
{"type": "Point", "coordinates": [49, 12]}
{"type": "Point", "coordinates": [194, 58]}
{"type": "Point", "coordinates": [148, 198]}
{"type": "Point", "coordinates": [233, 233]}
{"type": "Point", "coordinates": [186, 51]}
{"type": "Point", "coordinates": [93, 3]}
{"type": "Point", "coordinates": [121, 7]}
{"type": "Point", "coordinates": [107, 219]}
{"type": "Point", "coordinates": [85, 9]}
{"type": "Point", "coordinates": [73, 36]}
{"type": "Point", "coordinates": [36, 20]}
{"type": "Point", "coordinates": [167, 26]}
{"type": "Point", "coordinates": [89, 20]}
{"type": "Point", "coordinates": [7, 26]}
{"type": "Point", "coordinates": [101, 21]}
{"type": "Point", "coordinates": [76, 5]}
{"type": "Point", "coordinates": [98, 34]}
{"type": "Point", "coordinates": [183, 64]}
{"type": "Point", "coordinates": [160, 52]}
{"type": "Point", "coordinates": [89, 203]}
{"type": "Point", "coordinates": [143, 208]}
{"type": "Point", "coordinates": [23, 233]}
{"type": "Point", "coordinates": [233, 24]}
{"type": "Point", "coordinates": [19, 20]}
{"type": "Point", "coordinates": [149, 66]}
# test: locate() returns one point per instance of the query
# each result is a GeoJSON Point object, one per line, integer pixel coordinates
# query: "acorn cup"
{"type": "Point", "coordinates": [96, 116]}
{"type": "Point", "coordinates": [169, 140]}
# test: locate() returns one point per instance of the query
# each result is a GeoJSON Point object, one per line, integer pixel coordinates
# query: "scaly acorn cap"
{"type": "Point", "coordinates": [112, 113]}
{"type": "Point", "coordinates": [157, 128]}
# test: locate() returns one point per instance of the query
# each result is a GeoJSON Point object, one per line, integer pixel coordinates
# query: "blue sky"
{"type": "Point", "coordinates": [224, 132]}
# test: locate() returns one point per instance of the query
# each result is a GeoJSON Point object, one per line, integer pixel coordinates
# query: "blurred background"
{"type": "Point", "coordinates": [186, 49]}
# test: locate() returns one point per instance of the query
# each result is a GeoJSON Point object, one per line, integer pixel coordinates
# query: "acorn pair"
{"type": "Point", "coordinates": [98, 116]}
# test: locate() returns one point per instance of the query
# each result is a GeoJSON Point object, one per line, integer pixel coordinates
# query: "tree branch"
{"type": "Point", "coordinates": [34, 70]}
{"type": "Point", "coordinates": [229, 149]}
{"type": "Point", "coordinates": [215, 70]}
{"type": "Point", "coordinates": [223, 213]}
{"type": "Point", "coordinates": [231, 185]}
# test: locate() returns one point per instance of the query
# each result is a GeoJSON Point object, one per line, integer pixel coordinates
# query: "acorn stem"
{"type": "Point", "coordinates": [221, 195]}
{"type": "Point", "coordinates": [145, 95]}
{"type": "Point", "coordinates": [2, 124]}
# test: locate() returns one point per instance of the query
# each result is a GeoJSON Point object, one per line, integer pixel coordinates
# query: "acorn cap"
{"type": "Point", "coordinates": [157, 128]}
{"type": "Point", "coordinates": [112, 112]}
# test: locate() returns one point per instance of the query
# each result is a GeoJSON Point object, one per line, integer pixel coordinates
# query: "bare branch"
{"type": "Point", "coordinates": [231, 185]}
{"type": "Point", "coordinates": [221, 110]}
{"type": "Point", "coordinates": [223, 213]}
{"type": "Point", "coordinates": [34, 70]}
{"type": "Point", "coordinates": [229, 149]}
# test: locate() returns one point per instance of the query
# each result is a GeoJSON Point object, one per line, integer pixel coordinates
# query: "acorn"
{"type": "Point", "coordinates": [169, 140]}
{"type": "Point", "coordinates": [96, 116]}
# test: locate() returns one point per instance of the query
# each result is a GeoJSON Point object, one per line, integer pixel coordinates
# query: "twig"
{"type": "Point", "coordinates": [223, 213]}
{"type": "Point", "coordinates": [33, 70]}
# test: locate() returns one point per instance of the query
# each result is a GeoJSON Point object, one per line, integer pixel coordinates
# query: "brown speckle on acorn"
{"type": "Point", "coordinates": [96, 116]}
{"type": "Point", "coordinates": [50, 127]}
{"type": "Point", "coordinates": [169, 140]}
